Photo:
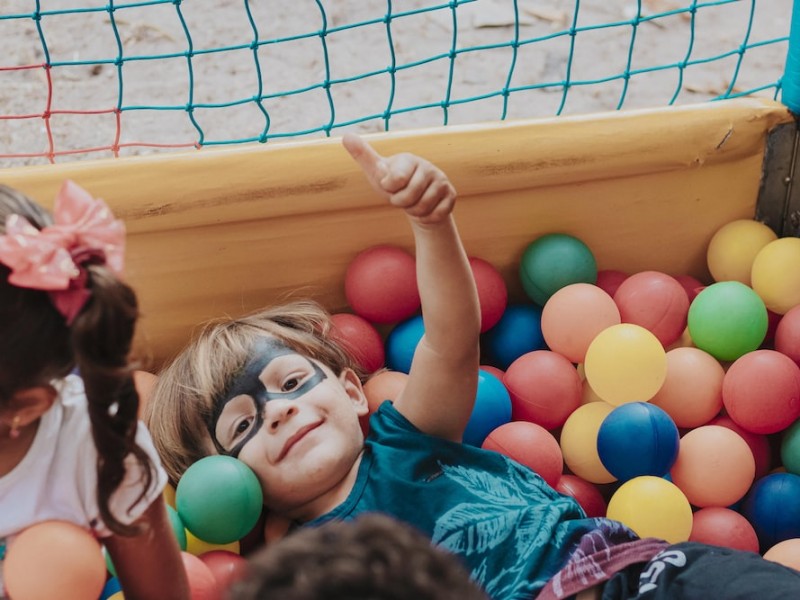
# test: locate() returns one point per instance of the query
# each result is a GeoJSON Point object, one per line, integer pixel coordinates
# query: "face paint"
{"type": "Point", "coordinates": [248, 384]}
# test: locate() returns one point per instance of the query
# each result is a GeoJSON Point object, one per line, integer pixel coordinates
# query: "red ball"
{"type": "Point", "coordinates": [202, 583]}
{"type": "Point", "coordinates": [587, 494]}
{"type": "Point", "coordinates": [609, 280]}
{"type": "Point", "coordinates": [759, 444]}
{"type": "Point", "coordinates": [380, 284]}
{"type": "Point", "coordinates": [655, 301]}
{"type": "Point", "coordinates": [787, 334]}
{"type": "Point", "coordinates": [227, 567]}
{"type": "Point", "coordinates": [761, 391]}
{"type": "Point", "coordinates": [692, 285]}
{"type": "Point", "coordinates": [529, 444]}
{"type": "Point", "coordinates": [492, 292]}
{"type": "Point", "coordinates": [361, 340]}
{"type": "Point", "coordinates": [545, 388]}
{"type": "Point", "coordinates": [720, 526]}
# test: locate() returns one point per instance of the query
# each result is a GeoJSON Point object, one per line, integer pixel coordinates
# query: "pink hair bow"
{"type": "Point", "coordinates": [52, 259]}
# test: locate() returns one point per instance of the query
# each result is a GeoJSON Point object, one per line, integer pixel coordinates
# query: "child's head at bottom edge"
{"type": "Point", "coordinates": [374, 557]}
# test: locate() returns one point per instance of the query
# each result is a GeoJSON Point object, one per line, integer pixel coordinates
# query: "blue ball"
{"type": "Point", "coordinates": [492, 409]}
{"type": "Point", "coordinates": [518, 332]}
{"type": "Point", "coordinates": [636, 439]}
{"type": "Point", "coordinates": [111, 587]}
{"type": "Point", "coordinates": [773, 509]}
{"type": "Point", "coordinates": [401, 343]}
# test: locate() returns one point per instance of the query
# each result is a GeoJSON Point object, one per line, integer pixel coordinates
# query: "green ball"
{"type": "Point", "coordinates": [178, 526]}
{"type": "Point", "coordinates": [790, 448]}
{"type": "Point", "coordinates": [727, 320]}
{"type": "Point", "coordinates": [554, 261]}
{"type": "Point", "coordinates": [219, 499]}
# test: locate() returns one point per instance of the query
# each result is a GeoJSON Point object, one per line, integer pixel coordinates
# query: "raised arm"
{"type": "Point", "coordinates": [440, 392]}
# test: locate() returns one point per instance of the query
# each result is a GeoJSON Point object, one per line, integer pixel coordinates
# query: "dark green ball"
{"type": "Point", "coordinates": [554, 261]}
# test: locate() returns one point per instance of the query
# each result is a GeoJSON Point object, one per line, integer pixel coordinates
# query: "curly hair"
{"type": "Point", "coordinates": [374, 557]}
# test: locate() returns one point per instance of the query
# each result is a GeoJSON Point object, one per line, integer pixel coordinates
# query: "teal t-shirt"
{"type": "Point", "coordinates": [511, 530]}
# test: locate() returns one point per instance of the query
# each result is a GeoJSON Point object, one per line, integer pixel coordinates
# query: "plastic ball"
{"type": "Point", "coordinates": [761, 391]}
{"type": "Point", "coordinates": [579, 442]}
{"type": "Point", "coordinates": [219, 499]}
{"type": "Point", "coordinates": [584, 492]}
{"type": "Point", "coordinates": [553, 261]}
{"type": "Point", "coordinates": [715, 466]}
{"type": "Point", "coordinates": [401, 343]}
{"type": "Point", "coordinates": [758, 443]}
{"type": "Point", "coordinates": [691, 285]}
{"type": "Point", "coordinates": [227, 567]}
{"type": "Point", "coordinates": [786, 553]}
{"type": "Point", "coordinates": [492, 292]}
{"type": "Point", "coordinates": [790, 448]}
{"type": "Point", "coordinates": [625, 363]}
{"type": "Point", "coordinates": [545, 388]}
{"type": "Point", "coordinates": [772, 508]}
{"type": "Point", "coordinates": [518, 331]}
{"type": "Point", "coordinates": [637, 439]}
{"type": "Point", "coordinates": [112, 588]}
{"type": "Point", "coordinates": [499, 373]}
{"type": "Point", "coordinates": [787, 335]}
{"type": "Point", "coordinates": [652, 507]}
{"type": "Point", "coordinates": [196, 546]}
{"type": "Point", "coordinates": [609, 280]}
{"type": "Point", "coordinates": [178, 526]}
{"type": "Point", "coordinates": [360, 338]}
{"type": "Point", "coordinates": [531, 445]}
{"type": "Point", "coordinates": [655, 301]}
{"type": "Point", "coordinates": [692, 391]}
{"type": "Point", "coordinates": [202, 583]}
{"type": "Point", "coordinates": [117, 596]}
{"type": "Point", "coordinates": [380, 284]}
{"type": "Point", "coordinates": [776, 274]}
{"type": "Point", "coordinates": [491, 410]}
{"type": "Point", "coordinates": [720, 526]}
{"type": "Point", "coordinates": [169, 495]}
{"type": "Point", "coordinates": [54, 559]}
{"type": "Point", "coordinates": [382, 386]}
{"type": "Point", "coordinates": [574, 315]}
{"type": "Point", "coordinates": [733, 249]}
{"type": "Point", "coordinates": [727, 320]}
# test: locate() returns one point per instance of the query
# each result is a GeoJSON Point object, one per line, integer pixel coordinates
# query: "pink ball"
{"type": "Point", "coordinates": [692, 391]}
{"type": "Point", "coordinates": [381, 284]}
{"type": "Point", "coordinates": [720, 526]}
{"type": "Point", "coordinates": [573, 316]}
{"type": "Point", "coordinates": [492, 292]}
{"type": "Point", "coordinates": [787, 335]}
{"type": "Point", "coordinates": [497, 372]}
{"type": "Point", "coordinates": [529, 444]}
{"type": "Point", "coordinates": [609, 280]}
{"type": "Point", "coordinates": [655, 301]}
{"type": "Point", "coordinates": [361, 340]}
{"type": "Point", "coordinates": [714, 466]}
{"type": "Point", "coordinates": [759, 444]}
{"type": "Point", "coordinates": [761, 391]}
{"type": "Point", "coordinates": [226, 566]}
{"type": "Point", "coordinates": [587, 494]}
{"type": "Point", "coordinates": [545, 388]}
{"type": "Point", "coordinates": [202, 583]}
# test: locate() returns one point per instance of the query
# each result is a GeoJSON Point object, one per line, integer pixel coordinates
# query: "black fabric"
{"type": "Point", "coordinates": [693, 571]}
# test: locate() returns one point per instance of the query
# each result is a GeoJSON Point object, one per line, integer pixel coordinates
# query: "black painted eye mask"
{"type": "Point", "coordinates": [248, 383]}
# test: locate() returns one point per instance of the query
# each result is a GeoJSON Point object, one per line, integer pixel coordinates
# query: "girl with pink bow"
{"type": "Point", "coordinates": [71, 446]}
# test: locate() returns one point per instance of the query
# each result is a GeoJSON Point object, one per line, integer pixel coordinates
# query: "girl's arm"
{"type": "Point", "coordinates": [149, 565]}
{"type": "Point", "coordinates": [442, 383]}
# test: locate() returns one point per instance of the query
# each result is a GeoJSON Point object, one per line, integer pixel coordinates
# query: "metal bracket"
{"type": "Point", "coordinates": [778, 204]}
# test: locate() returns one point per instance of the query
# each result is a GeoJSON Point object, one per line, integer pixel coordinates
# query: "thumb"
{"type": "Point", "coordinates": [372, 163]}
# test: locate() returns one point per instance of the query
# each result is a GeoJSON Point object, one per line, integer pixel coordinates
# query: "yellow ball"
{"type": "Point", "coordinates": [652, 507]}
{"type": "Point", "coordinates": [169, 495]}
{"type": "Point", "coordinates": [625, 363]}
{"type": "Point", "coordinates": [196, 546]}
{"type": "Point", "coordinates": [117, 596]}
{"type": "Point", "coordinates": [579, 442]}
{"type": "Point", "coordinates": [776, 274]}
{"type": "Point", "coordinates": [733, 248]}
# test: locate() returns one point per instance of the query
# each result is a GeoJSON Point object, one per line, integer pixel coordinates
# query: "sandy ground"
{"type": "Point", "coordinates": [154, 92]}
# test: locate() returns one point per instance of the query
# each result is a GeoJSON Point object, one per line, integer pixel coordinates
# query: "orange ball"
{"type": "Point", "coordinates": [574, 315]}
{"type": "Point", "coordinates": [54, 559]}
{"type": "Point", "coordinates": [786, 553]}
{"type": "Point", "coordinates": [721, 526]}
{"type": "Point", "coordinates": [529, 444]}
{"type": "Point", "coordinates": [385, 385]}
{"type": "Point", "coordinates": [692, 390]}
{"type": "Point", "coordinates": [202, 583]}
{"type": "Point", "coordinates": [715, 466]}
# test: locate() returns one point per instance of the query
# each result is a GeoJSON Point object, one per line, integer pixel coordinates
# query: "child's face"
{"type": "Point", "coordinates": [294, 423]}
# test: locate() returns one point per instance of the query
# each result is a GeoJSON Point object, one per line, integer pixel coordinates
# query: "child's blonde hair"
{"type": "Point", "coordinates": [185, 395]}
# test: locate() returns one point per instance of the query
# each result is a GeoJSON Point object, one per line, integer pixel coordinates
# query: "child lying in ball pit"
{"type": "Point", "coordinates": [277, 391]}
